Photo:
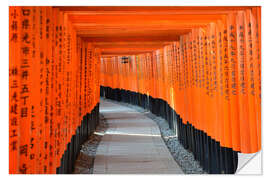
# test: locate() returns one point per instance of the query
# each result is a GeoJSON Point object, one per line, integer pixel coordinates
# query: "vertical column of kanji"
{"type": "Point", "coordinates": [76, 62]}
{"type": "Point", "coordinates": [25, 89]}
{"type": "Point", "coordinates": [96, 68]}
{"type": "Point", "coordinates": [209, 86]}
{"type": "Point", "coordinates": [208, 73]}
{"type": "Point", "coordinates": [199, 79]}
{"type": "Point", "coordinates": [32, 136]}
{"type": "Point", "coordinates": [220, 81]}
{"type": "Point", "coordinates": [72, 80]}
{"type": "Point", "coordinates": [185, 76]}
{"type": "Point", "coordinates": [256, 36]}
{"type": "Point", "coordinates": [258, 42]}
{"type": "Point", "coordinates": [175, 75]}
{"type": "Point", "coordinates": [14, 91]}
{"type": "Point", "coordinates": [192, 92]}
{"type": "Point", "coordinates": [242, 79]}
{"type": "Point", "coordinates": [58, 88]}
{"type": "Point", "coordinates": [63, 86]}
{"type": "Point", "coordinates": [226, 86]}
{"type": "Point", "coordinates": [179, 72]}
{"type": "Point", "coordinates": [47, 77]}
{"type": "Point", "coordinates": [68, 78]}
{"type": "Point", "coordinates": [97, 60]}
{"type": "Point", "coordinates": [74, 66]}
{"type": "Point", "coordinates": [209, 81]}
{"type": "Point", "coordinates": [64, 105]}
{"type": "Point", "coordinates": [214, 80]}
{"type": "Point", "coordinates": [55, 89]}
{"type": "Point", "coordinates": [35, 108]}
{"type": "Point", "coordinates": [87, 78]}
{"type": "Point", "coordinates": [91, 77]}
{"type": "Point", "coordinates": [191, 99]}
{"type": "Point", "coordinates": [191, 79]}
{"type": "Point", "coordinates": [203, 52]}
{"type": "Point", "coordinates": [42, 61]}
{"type": "Point", "coordinates": [94, 71]}
{"type": "Point", "coordinates": [82, 78]}
{"type": "Point", "coordinates": [62, 72]}
{"type": "Point", "coordinates": [80, 85]}
{"type": "Point", "coordinates": [195, 95]}
{"type": "Point", "coordinates": [202, 121]}
{"type": "Point", "coordinates": [102, 71]}
{"type": "Point", "coordinates": [207, 120]}
{"type": "Point", "coordinates": [51, 30]}
{"type": "Point", "coordinates": [36, 89]}
{"type": "Point", "coordinates": [85, 69]}
{"type": "Point", "coordinates": [250, 48]}
{"type": "Point", "coordinates": [233, 83]}
{"type": "Point", "coordinates": [68, 72]}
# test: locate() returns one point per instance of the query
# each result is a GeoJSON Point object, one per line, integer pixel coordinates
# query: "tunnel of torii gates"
{"type": "Point", "coordinates": [197, 67]}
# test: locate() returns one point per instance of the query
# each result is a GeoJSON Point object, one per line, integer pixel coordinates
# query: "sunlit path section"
{"type": "Point", "coordinates": [132, 144]}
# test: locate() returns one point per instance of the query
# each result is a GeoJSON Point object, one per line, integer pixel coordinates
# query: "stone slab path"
{"type": "Point", "coordinates": [132, 144]}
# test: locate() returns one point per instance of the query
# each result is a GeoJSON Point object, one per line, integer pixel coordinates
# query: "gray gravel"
{"type": "Point", "coordinates": [85, 161]}
{"type": "Point", "coordinates": [183, 157]}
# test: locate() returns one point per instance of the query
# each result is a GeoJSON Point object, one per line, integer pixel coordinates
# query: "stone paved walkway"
{"type": "Point", "coordinates": [132, 144]}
